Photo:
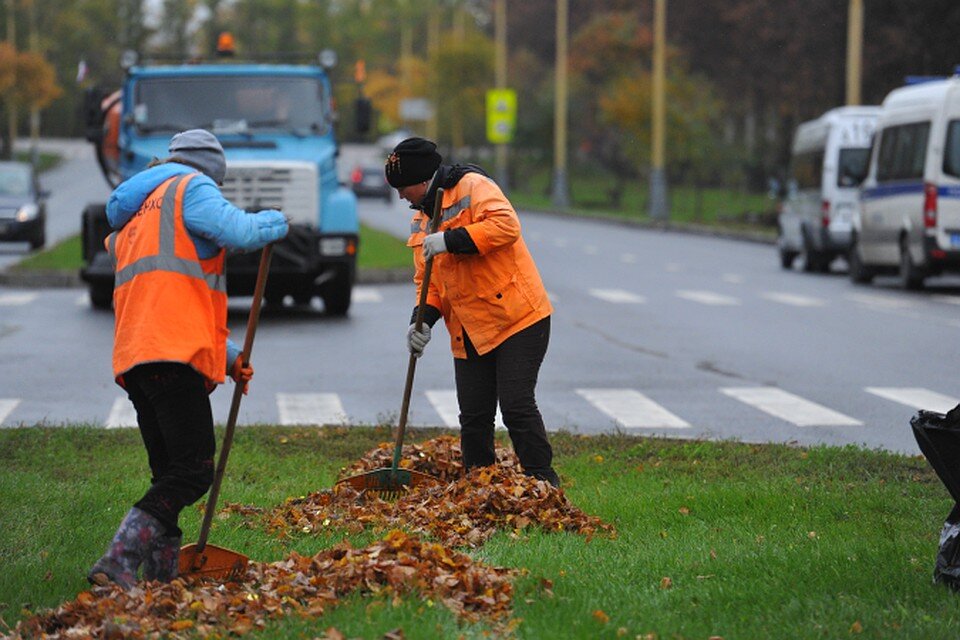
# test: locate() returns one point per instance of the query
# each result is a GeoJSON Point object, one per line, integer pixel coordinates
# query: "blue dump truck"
{"type": "Point", "coordinates": [276, 124]}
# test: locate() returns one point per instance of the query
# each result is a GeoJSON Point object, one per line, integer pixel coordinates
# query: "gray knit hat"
{"type": "Point", "coordinates": [200, 149]}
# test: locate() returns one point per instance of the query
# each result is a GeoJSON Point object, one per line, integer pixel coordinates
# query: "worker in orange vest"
{"type": "Point", "coordinates": [170, 340]}
{"type": "Point", "coordinates": [487, 288]}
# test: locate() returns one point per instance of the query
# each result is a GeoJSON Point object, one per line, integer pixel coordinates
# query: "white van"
{"type": "Point", "coordinates": [828, 157]}
{"type": "Point", "coordinates": [909, 217]}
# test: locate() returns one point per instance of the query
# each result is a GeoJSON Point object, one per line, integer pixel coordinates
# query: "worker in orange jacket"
{"type": "Point", "coordinates": [487, 288]}
{"type": "Point", "coordinates": [170, 338]}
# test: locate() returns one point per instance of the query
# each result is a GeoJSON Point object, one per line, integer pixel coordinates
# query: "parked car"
{"type": "Point", "coordinates": [23, 207]}
{"type": "Point", "coordinates": [828, 157]}
{"type": "Point", "coordinates": [370, 182]}
{"type": "Point", "coordinates": [909, 217]}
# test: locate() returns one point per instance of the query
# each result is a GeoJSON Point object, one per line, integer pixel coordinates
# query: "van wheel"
{"type": "Point", "coordinates": [859, 273]}
{"type": "Point", "coordinates": [911, 277]}
{"type": "Point", "coordinates": [787, 258]}
{"type": "Point", "coordinates": [814, 260]}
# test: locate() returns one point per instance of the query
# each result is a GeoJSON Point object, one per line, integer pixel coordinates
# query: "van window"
{"type": "Point", "coordinates": [853, 167]}
{"type": "Point", "coordinates": [903, 149]}
{"type": "Point", "coordinates": [951, 154]}
{"type": "Point", "coordinates": [807, 169]}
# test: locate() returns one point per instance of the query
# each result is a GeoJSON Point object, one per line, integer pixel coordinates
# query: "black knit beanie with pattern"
{"type": "Point", "coordinates": [413, 160]}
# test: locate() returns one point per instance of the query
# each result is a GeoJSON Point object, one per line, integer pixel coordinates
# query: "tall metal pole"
{"type": "Point", "coordinates": [11, 104]}
{"type": "Point", "coordinates": [854, 51]}
{"type": "Point", "coordinates": [500, 71]}
{"type": "Point", "coordinates": [659, 207]}
{"type": "Point", "coordinates": [34, 110]}
{"type": "Point", "coordinates": [561, 194]}
{"type": "Point", "coordinates": [433, 45]}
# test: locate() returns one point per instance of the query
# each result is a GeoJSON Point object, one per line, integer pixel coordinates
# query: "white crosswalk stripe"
{"type": "Point", "coordinates": [787, 406]}
{"type": "Point", "coordinates": [17, 299]}
{"type": "Point", "coordinates": [445, 403]}
{"type": "Point", "coordinates": [707, 297]}
{"type": "Point", "coordinates": [617, 296]}
{"type": "Point", "coordinates": [948, 299]}
{"type": "Point", "coordinates": [122, 414]}
{"type": "Point", "coordinates": [310, 408]}
{"type": "Point", "coordinates": [793, 299]}
{"type": "Point", "coordinates": [631, 409]}
{"type": "Point", "coordinates": [916, 397]}
{"type": "Point", "coordinates": [628, 408]}
{"type": "Point", "coordinates": [6, 407]}
{"type": "Point", "coordinates": [879, 301]}
{"type": "Point", "coordinates": [366, 294]}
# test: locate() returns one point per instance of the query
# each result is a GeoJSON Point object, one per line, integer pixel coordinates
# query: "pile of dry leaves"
{"type": "Point", "coordinates": [397, 565]}
{"type": "Point", "coordinates": [459, 510]}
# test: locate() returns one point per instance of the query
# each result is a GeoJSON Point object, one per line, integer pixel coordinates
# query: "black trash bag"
{"type": "Point", "coordinates": [938, 436]}
{"type": "Point", "coordinates": [946, 570]}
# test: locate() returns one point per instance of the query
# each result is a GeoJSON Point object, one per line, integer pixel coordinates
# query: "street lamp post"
{"type": "Point", "coordinates": [500, 71]}
{"type": "Point", "coordinates": [659, 208]}
{"type": "Point", "coordinates": [854, 51]}
{"type": "Point", "coordinates": [561, 196]}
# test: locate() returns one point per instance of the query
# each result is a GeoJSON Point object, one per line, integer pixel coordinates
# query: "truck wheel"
{"type": "Point", "coordinates": [302, 299]}
{"type": "Point", "coordinates": [101, 296]}
{"type": "Point", "coordinates": [911, 277]}
{"type": "Point", "coordinates": [275, 298]}
{"type": "Point", "coordinates": [336, 296]}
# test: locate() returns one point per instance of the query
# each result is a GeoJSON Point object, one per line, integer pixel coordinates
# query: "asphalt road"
{"type": "Point", "coordinates": [654, 332]}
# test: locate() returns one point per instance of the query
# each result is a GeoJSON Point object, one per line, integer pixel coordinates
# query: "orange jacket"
{"type": "Point", "coordinates": [493, 294]}
{"type": "Point", "coordinates": [170, 305]}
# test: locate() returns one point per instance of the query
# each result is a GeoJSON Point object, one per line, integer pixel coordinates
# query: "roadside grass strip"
{"type": "Point", "coordinates": [657, 538]}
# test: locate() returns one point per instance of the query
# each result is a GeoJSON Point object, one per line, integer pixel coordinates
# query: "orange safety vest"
{"type": "Point", "coordinates": [170, 305]}
{"type": "Point", "coordinates": [493, 294]}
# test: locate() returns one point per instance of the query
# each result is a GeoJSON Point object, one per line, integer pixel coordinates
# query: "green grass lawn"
{"type": "Point", "coordinates": [713, 539]}
{"type": "Point", "coordinates": [589, 196]}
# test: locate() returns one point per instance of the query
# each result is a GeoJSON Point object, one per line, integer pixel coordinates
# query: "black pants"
{"type": "Point", "coordinates": [176, 424]}
{"type": "Point", "coordinates": [507, 374]}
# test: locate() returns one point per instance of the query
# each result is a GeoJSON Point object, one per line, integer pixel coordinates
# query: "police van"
{"type": "Point", "coordinates": [909, 217]}
{"type": "Point", "coordinates": [827, 159]}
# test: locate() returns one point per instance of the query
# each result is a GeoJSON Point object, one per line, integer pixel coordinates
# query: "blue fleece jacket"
{"type": "Point", "coordinates": [211, 220]}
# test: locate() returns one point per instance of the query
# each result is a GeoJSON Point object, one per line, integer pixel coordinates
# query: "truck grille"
{"type": "Point", "coordinates": [290, 186]}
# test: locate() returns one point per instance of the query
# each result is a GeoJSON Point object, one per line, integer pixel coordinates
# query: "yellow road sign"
{"type": "Point", "coordinates": [501, 115]}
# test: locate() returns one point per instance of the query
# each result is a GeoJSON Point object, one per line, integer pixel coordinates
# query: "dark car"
{"type": "Point", "coordinates": [370, 182]}
{"type": "Point", "coordinates": [23, 207]}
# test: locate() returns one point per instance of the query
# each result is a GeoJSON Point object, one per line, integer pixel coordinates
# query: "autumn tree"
{"type": "Point", "coordinates": [613, 84]}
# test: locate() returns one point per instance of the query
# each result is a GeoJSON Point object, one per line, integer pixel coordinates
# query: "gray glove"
{"type": "Point", "coordinates": [434, 244]}
{"type": "Point", "coordinates": [417, 340]}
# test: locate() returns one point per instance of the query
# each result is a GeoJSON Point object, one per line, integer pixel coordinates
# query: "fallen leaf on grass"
{"type": "Point", "coordinates": [399, 564]}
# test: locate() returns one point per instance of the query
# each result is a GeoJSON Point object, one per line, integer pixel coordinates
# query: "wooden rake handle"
{"type": "Point", "coordinates": [252, 322]}
{"type": "Point", "coordinates": [418, 324]}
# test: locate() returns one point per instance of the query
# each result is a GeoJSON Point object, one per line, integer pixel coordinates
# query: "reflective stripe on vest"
{"type": "Point", "coordinates": [166, 259]}
{"type": "Point", "coordinates": [445, 213]}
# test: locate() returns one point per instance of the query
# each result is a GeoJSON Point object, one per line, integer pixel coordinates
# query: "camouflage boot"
{"type": "Point", "coordinates": [127, 550]}
{"type": "Point", "coordinates": [162, 559]}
